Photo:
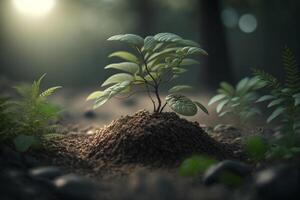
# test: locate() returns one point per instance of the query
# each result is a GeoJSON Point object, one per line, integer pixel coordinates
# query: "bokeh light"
{"type": "Point", "coordinates": [34, 8]}
{"type": "Point", "coordinates": [248, 23]}
{"type": "Point", "coordinates": [229, 17]}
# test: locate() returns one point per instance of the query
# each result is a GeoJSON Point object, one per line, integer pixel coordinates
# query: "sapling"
{"type": "Point", "coordinates": [238, 100]}
{"type": "Point", "coordinates": [157, 60]}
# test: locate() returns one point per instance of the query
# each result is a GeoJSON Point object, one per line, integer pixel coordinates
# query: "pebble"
{"type": "Point", "coordinates": [49, 173]}
{"type": "Point", "coordinates": [278, 183]}
{"type": "Point", "coordinates": [90, 114]}
{"type": "Point", "coordinates": [75, 187]}
{"type": "Point", "coordinates": [214, 173]}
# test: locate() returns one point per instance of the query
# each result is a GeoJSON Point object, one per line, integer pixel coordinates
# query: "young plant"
{"type": "Point", "coordinates": [238, 100]}
{"type": "Point", "coordinates": [284, 100]}
{"type": "Point", "coordinates": [156, 60]}
{"type": "Point", "coordinates": [32, 114]}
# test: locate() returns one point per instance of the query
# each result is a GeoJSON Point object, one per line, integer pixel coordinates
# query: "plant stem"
{"type": "Point", "coordinates": [155, 86]}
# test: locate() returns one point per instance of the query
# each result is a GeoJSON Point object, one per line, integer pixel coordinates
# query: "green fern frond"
{"type": "Point", "coordinates": [270, 80]}
{"type": "Point", "coordinates": [49, 91]}
{"type": "Point", "coordinates": [292, 76]}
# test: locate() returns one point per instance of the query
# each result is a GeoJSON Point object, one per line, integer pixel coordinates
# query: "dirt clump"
{"type": "Point", "coordinates": [152, 139]}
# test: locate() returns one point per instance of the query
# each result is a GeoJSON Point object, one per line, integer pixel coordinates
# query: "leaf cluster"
{"type": "Point", "coordinates": [238, 100]}
{"type": "Point", "coordinates": [156, 60]}
{"type": "Point", "coordinates": [27, 119]}
{"type": "Point", "coordinates": [284, 97]}
{"type": "Point", "coordinates": [284, 100]}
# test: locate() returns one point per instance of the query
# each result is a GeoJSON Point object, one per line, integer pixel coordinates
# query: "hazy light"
{"type": "Point", "coordinates": [248, 23]}
{"type": "Point", "coordinates": [35, 8]}
{"type": "Point", "coordinates": [229, 17]}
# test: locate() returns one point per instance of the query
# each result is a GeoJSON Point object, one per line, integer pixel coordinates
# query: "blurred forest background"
{"type": "Point", "coordinates": [69, 43]}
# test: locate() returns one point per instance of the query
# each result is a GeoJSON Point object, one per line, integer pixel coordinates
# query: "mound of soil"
{"type": "Point", "coordinates": [152, 139]}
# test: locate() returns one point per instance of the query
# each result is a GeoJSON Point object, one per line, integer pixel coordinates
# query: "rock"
{"type": "Point", "coordinates": [90, 114]}
{"type": "Point", "coordinates": [280, 182]}
{"type": "Point", "coordinates": [49, 173]}
{"type": "Point", "coordinates": [226, 170]}
{"type": "Point", "coordinates": [75, 187]}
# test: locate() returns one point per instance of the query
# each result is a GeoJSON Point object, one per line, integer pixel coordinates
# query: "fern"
{"type": "Point", "coordinates": [284, 100]}
{"type": "Point", "coordinates": [32, 114]}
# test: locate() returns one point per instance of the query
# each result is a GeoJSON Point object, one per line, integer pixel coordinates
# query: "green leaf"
{"type": "Point", "coordinates": [242, 84]}
{"type": "Point", "coordinates": [202, 107]}
{"type": "Point", "coordinates": [124, 66]}
{"type": "Point", "coordinates": [216, 98]}
{"type": "Point", "coordinates": [131, 39]}
{"type": "Point", "coordinates": [221, 105]}
{"type": "Point", "coordinates": [125, 55]}
{"type": "Point", "coordinates": [118, 78]}
{"type": "Point", "coordinates": [110, 92]}
{"type": "Point", "coordinates": [179, 88]}
{"type": "Point", "coordinates": [189, 61]}
{"type": "Point", "coordinates": [190, 43]}
{"type": "Point", "coordinates": [265, 98]}
{"type": "Point", "coordinates": [228, 88]}
{"type": "Point", "coordinates": [24, 142]}
{"type": "Point", "coordinates": [49, 91]}
{"type": "Point", "coordinates": [178, 70]}
{"type": "Point", "coordinates": [187, 51]}
{"type": "Point", "coordinates": [149, 43]}
{"type": "Point", "coordinates": [275, 114]}
{"type": "Point", "coordinates": [181, 104]}
{"type": "Point", "coordinates": [167, 37]}
{"type": "Point", "coordinates": [95, 95]}
{"type": "Point", "coordinates": [275, 102]}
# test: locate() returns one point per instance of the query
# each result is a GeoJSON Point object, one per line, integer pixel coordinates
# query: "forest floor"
{"type": "Point", "coordinates": [121, 151]}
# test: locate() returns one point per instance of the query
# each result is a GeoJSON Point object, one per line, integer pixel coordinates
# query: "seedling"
{"type": "Point", "coordinates": [32, 114]}
{"type": "Point", "coordinates": [157, 60]}
{"type": "Point", "coordinates": [238, 100]}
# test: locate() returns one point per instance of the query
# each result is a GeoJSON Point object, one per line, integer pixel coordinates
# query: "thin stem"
{"type": "Point", "coordinates": [156, 84]}
{"type": "Point", "coordinates": [163, 107]}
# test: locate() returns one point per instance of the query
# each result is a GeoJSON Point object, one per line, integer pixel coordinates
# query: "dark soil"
{"type": "Point", "coordinates": [153, 139]}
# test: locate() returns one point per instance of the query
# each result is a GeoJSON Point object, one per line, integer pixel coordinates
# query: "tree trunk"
{"type": "Point", "coordinates": [212, 32]}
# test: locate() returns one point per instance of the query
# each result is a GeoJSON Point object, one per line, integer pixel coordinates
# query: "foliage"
{"type": "Point", "coordinates": [284, 99]}
{"type": "Point", "coordinates": [238, 100]}
{"type": "Point", "coordinates": [196, 165]}
{"type": "Point", "coordinates": [26, 120]}
{"type": "Point", "coordinates": [157, 60]}
{"type": "Point", "coordinates": [255, 147]}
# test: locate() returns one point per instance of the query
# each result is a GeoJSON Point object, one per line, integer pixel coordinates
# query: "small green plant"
{"type": "Point", "coordinates": [157, 60]}
{"type": "Point", "coordinates": [284, 99]}
{"type": "Point", "coordinates": [238, 100]}
{"type": "Point", "coordinates": [196, 165]}
{"type": "Point", "coordinates": [32, 114]}
{"type": "Point", "coordinates": [256, 148]}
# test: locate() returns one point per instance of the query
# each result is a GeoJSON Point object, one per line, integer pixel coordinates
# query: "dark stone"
{"type": "Point", "coordinates": [90, 114]}
{"type": "Point", "coordinates": [214, 173]}
{"type": "Point", "coordinates": [49, 173]}
{"type": "Point", "coordinates": [75, 187]}
{"type": "Point", "coordinates": [278, 183]}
